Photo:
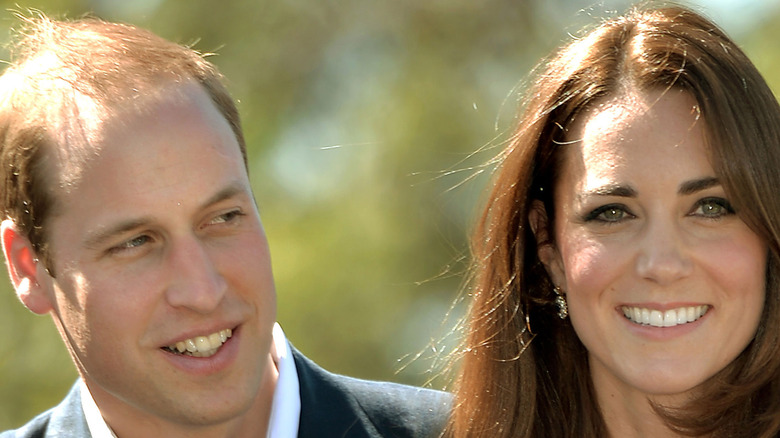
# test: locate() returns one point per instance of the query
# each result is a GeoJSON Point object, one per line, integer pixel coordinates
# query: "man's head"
{"type": "Point", "coordinates": [67, 76]}
{"type": "Point", "coordinates": [124, 166]}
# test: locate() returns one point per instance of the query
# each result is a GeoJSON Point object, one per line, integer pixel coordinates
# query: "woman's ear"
{"type": "Point", "coordinates": [22, 265]}
{"type": "Point", "coordinates": [545, 245]}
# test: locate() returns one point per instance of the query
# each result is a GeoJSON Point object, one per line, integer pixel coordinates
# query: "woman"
{"type": "Point", "coordinates": [626, 263]}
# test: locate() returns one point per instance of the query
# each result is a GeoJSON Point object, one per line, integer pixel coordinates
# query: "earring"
{"type": "Point", "coordinates": [560, 301]}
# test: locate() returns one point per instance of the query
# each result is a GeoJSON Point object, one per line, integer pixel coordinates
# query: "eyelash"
{"type": "Point", "coordinates": [139, 241]}
{"type": "Point", "coordinates": [227, 217]}
{"type": "Point", "coordinates": [595, 215]}
{"type": "Point", "coordinates": [131, 244]}
{"type": "Point", "coordinates": [725, 205]}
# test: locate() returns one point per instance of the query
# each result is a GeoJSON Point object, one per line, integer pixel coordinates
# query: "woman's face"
{"type": "Point", "coordinates": [665, 283]}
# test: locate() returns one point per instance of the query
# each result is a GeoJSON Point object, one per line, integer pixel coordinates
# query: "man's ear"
{"type": "Point", "coordinates": [545, 245]}
{"type": "Point", "coordinates": [23, 269]}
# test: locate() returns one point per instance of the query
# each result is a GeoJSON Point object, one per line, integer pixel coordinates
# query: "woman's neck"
{"type": "Point", "coordinates": [628, 412]}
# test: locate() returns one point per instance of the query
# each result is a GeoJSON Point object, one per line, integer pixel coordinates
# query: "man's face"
{"type": "Point", "coordinates": [159, 244]}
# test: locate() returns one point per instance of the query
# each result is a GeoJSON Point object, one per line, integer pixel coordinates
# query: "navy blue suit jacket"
{"type": "Point", "coordinates": [331, 406]}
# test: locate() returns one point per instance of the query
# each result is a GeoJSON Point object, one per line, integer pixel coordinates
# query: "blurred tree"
{"type": "Point", "coordinates": [368, 123]}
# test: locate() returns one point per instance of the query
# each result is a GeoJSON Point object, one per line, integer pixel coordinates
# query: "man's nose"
{"type": "Point", "coordinates": [195, 280]}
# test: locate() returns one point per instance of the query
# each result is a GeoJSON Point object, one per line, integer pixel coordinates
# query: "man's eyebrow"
{"type": "Point", "coordinates": [229, 191]}
{"type": "Point", "coordinates": [97, 239]}
{"type": "Point", "coordinates": [697, 185]}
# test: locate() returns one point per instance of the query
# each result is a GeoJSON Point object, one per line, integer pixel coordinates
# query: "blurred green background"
{"type": "Point", "coordinates": [367, 123]}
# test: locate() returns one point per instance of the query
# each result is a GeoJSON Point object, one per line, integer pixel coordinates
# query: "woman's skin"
{"type": "Point", "coordinates": [665, 283]}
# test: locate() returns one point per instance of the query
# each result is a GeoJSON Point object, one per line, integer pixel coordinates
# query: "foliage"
{"type": "Point", "coordinates": [366, 122]}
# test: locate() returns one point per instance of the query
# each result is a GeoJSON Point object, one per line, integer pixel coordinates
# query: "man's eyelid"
{"type": "Point", "coordinates": [218, 213]}
{"type": "Point", "coordinates": [117, 236]}
{"type": "Point", "coordinates": [233, 213]}
{"type": "Point", "coordinates": [123, 248]}
{"type": "Point", "coordinates": [125, 243]}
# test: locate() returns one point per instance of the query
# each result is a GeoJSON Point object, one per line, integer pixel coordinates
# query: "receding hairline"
{"type": "Point", "coordinates": [80, 138]}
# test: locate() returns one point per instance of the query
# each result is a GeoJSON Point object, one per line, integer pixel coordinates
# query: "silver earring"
{"type": "Point", "coordinates": [560, 301]}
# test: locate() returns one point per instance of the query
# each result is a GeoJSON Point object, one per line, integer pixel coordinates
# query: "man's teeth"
{"type": "Point", "coordinates": [202, 346]}
{"type": "Point", "coordinates": [668, 318]}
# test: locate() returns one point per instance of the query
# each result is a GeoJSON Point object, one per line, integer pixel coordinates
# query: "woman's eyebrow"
{"type": "Point", "coordinates": [697, 185]}
{"type": "Point", "coordinates": [619, 190]}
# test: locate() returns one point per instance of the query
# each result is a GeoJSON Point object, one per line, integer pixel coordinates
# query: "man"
{"type": "Point", "coordinates": [129, 218]}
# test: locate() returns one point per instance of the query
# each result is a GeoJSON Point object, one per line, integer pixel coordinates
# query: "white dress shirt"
{"type": "Point", "coordinates": [285, 410]}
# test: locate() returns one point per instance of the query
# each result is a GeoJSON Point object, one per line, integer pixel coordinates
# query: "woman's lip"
{"type": "Point", "coordinates": [663, 306]}
{"type": "Point", "coordinates": [662, 334]}
{"type": "Point", "coordinates": [670, 317]}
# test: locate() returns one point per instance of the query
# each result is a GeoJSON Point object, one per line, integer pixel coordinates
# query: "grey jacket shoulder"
{"type": "Point", "coordinates": [65, 420]}
{"type": "Point", "coordinates": [331, 406]}
{"type": "Point", "coordinates": [338, 406]}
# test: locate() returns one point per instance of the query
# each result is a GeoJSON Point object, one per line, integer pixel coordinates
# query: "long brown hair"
{"type": "Point", "coordinates": [524, 372]}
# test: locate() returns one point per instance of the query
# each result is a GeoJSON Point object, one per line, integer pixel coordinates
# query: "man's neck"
{"type": "Point", "coordinates": [252, 423]}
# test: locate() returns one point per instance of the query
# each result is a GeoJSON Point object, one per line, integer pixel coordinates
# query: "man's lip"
{"type": "Point", "coordinates": [194, 333]}
{"type": "Point", "coordinates": [214, 362]}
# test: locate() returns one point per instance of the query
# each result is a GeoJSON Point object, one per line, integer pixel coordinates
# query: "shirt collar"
{"type": "Point", "coordinates": [285, 410]}
{"type": "Point", "coordinates": [95, 422]}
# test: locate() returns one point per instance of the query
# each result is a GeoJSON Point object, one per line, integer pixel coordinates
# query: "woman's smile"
{"type": "Point", "coordinates": [664, 281]}
{"type": "Point", "coordinates": [664, 318]}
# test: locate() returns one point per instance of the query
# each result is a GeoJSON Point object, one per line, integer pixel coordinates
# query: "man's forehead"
{"type": "Point", "coordinates": [82, 125]}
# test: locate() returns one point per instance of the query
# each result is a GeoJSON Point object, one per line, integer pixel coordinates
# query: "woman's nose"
{"type": "Point", "coordinates": [663, 257]}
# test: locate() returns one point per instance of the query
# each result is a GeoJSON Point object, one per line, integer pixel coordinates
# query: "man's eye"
{"type": "Point", "coordinates": [230, 216]}
{"type": "Point", "coordinates": [136, 242]}
{"type": "Point", "coordinates": [131, 244]}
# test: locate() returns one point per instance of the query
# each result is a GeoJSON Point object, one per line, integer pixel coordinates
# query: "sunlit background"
{"type": "Point", "coordinates": [364, 120]}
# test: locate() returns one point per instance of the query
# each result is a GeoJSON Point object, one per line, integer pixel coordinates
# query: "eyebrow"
{"type": "Point", "coordinates": [697, 185]}
{"type": "Point", "coordinates": [96, 240]}
{"type": "Point", "coordinates": [612, 190]}
{"type": "Point", "coordinates": [624, 191]}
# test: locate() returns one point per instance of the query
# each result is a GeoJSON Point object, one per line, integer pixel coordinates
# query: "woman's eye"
{"type": "Point", "coordinates": [712, 208]}
{"type": "Point", "coordinates": [609, 213]}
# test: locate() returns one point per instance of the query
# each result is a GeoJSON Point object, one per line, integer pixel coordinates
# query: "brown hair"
{"type": "Point", "coordinates": [60, 69]}
{"type": "Point", "coordinates": [524, 372]}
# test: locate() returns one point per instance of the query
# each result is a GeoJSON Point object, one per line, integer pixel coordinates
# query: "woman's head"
{"type": "Point", "coordinates": [664, 281]}
{"type": "Point", "coordinates": [653, 54]}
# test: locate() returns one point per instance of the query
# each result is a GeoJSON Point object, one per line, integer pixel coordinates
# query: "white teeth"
{"type": "Point", "coordinates": [669, 318]}
{"type": "Point", "coordinates": [656, 318]}
{"type": "Point", "coordinates": [202, 346]}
